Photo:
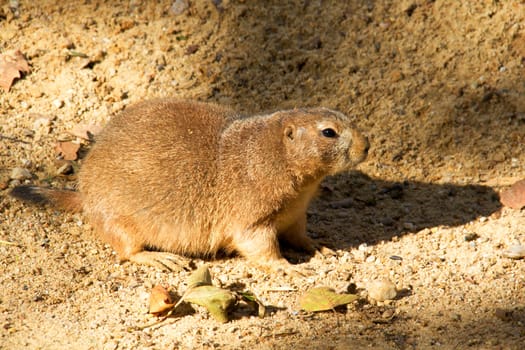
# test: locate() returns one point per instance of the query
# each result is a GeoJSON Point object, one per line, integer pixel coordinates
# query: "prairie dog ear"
{"type": "Point", "coordinates": [289, 132]}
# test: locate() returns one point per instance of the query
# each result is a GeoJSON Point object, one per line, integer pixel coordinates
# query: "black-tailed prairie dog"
{"type": "Point", "coordinates": [193, 178]}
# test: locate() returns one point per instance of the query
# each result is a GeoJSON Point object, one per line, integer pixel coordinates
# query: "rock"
{"type": "Point", "coordinates": [58, 103]}
{"type": "Point", "coordinates": [363, 247]}
{"type": "Point", "coordinates": [41, 121]}
{"type": "Point", "coordinates": [359, 255]}
{"type": "Point", "coordinates": [179, 7]}
{"type": "Point", "coordinates": [502, 314]}
{"type": "Point", "coordinates": [499, 157]}
{"type": "Point", "coordinates": [409, 226]}
{"type": "Point", "coordinates": [396, 257]}
{"type": "Point", "coordinates": [381, 290]}
{"type": "Point", "coordinates": [516, 251]}
{"type": "Point", "coordinates": [20, 174]}
{"type": "Point", "coordinates": [471, 236]}
{"type": "Point", "coordinates": [343, 203]}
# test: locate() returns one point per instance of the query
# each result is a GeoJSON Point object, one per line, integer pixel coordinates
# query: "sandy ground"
{"type": "Point", "coordinates": [439, 88]}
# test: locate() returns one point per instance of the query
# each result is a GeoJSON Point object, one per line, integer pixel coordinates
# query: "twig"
{"type": "Point", "coordinates": [282, 289]}
{"type": "Point", "coordinates": [8, 243]}
{"type": "Point", "coordinates": [12, 139]}
{"type": "Point", "coordinates": [281, 334]}
{"type": "Point", "coordinates": [140, 328]}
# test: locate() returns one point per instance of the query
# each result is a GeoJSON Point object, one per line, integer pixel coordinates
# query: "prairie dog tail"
{"type": "Point", "coordinates": [64, 199]}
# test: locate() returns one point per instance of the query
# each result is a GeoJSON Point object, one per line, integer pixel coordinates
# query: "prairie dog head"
{"type": "Point", "coordinates": [322, 140]}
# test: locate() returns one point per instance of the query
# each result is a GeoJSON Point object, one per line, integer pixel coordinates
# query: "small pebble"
{"type": "Point", "coordinates": [41, 122]}
{"type": "Point", "coordinates": [359, 255]}
{"type": "Point", "coordinates": [502, 314]}
{"type": "Point", "coordinates": [363, 247]}
{"type": "Point", "coordinates": [396, 257]}
{"type": "Point", "coordinates": [58, 103]}
{"type": "Point", "coordinates": [20, 174]}
{"type": "Point", "coordinates": [456, 317]}
{"type": "Point", "coordinates": [381, 290]}
{"type": "Point", "coordinates": [472, 236]}
{"type": "Point", "coordinates": [179, 7]}
{"type": "Point", "coordinates": [388, 314]}
{"type": "Point", "coordinates": [516, 251]}
{"type": "Point", "coordinates": [370, 259]}
{"type": "Point", "coordinates": [409, 226]}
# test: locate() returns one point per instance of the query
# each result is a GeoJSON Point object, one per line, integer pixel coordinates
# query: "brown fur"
{"type": "Point", "coordinates": [194, 178]}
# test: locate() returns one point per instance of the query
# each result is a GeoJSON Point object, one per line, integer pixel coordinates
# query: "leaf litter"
{"type": "Point", "coordinates": [324, 299]}
{"type": "Point", "coordinates": [200, 291]}
{"type": "Point", "coordinates": [514, 197]}
{"type": "Point", "coordinates": [67, 149]}
{"type": "Point", "coordinates": [12, 64]}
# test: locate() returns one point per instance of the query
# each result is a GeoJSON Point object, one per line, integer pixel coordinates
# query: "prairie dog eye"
{"type": "Point", "coordinates": [329, 132]}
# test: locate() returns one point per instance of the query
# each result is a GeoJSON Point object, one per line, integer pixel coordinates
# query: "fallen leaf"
{"type": "Point", "coordinates": [201, 292]}
{"type": "Point", "coordinates": [216, 300]}
{"type": "Point", "coordinates": [160, 301]}
{"type": "Point", "coordinates": [201, 277]}
{"type": "Point", "coordinates": [254, 302]}
{"type": "Point", "coordinates": [86, 131]}
{"type": "Point", "coordinates": [514, 197]}
{"type": "Point", "coordinates": [12, 63]}
{"type": "Point", "coordinates": [324, 298]}
{"type": "Point", "coordinates": [67, 149]}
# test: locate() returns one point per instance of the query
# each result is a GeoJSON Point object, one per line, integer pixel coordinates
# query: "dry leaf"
{"type": "Point", "coordinates": [160, 300]}
{"type": "Point", "coordinates": [201, 277]}
{"type": "Point", "coordinates": [67, 149]}
{"type": "Point", "coordinates": [12, 63]}
{"type": "Point", "coordinates": [215, 299]}
{"type": "Point", "coordinates": [324, 298]}
{"type": "Point", "coordinates": [86, 131]}
{"type": "Point", "coordinates": [201, 292]}
{"type": "Point", "coordinates": [514, 197]}
{"type": "Point", "coordinates": [254, 302]}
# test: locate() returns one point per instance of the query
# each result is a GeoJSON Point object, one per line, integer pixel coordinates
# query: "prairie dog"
{"type": "Point", "coordinates": [194, 178]}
